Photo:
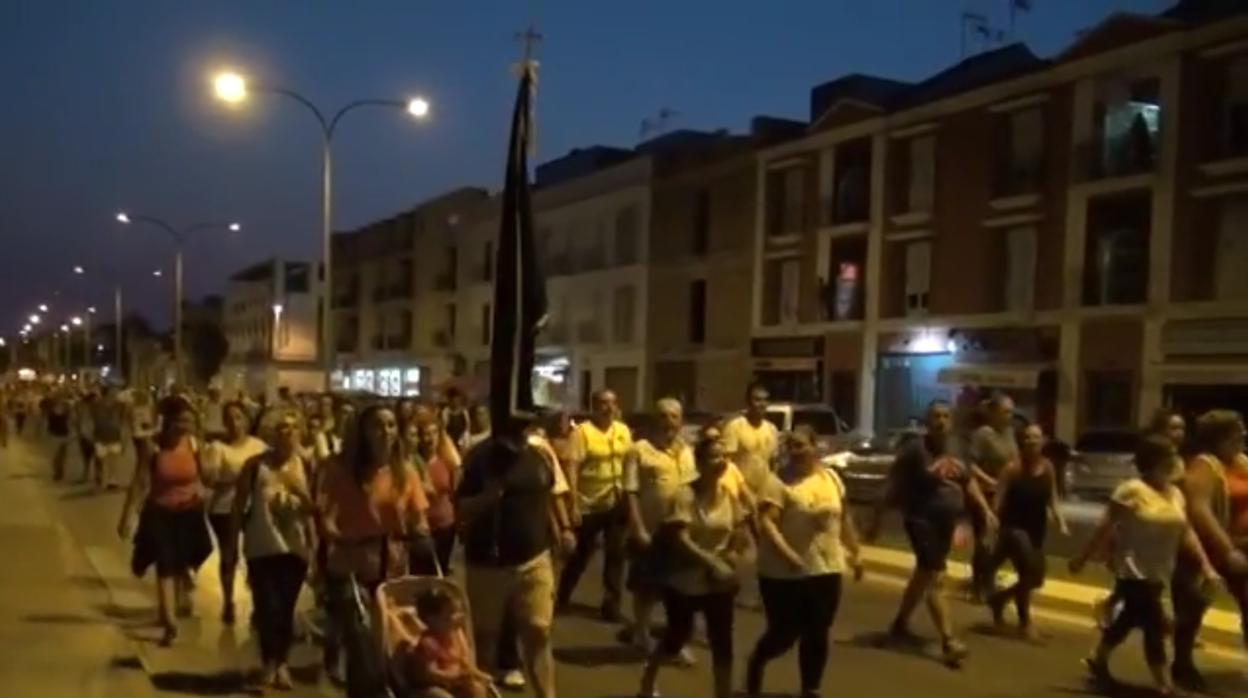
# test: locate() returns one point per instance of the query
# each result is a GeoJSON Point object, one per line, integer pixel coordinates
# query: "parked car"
{"type": "Point", "coordinates": [865, 465]}
{"type": "Point", "coordinates": [1101, 460]}
{"type": "Point", "coordinates": [831, 431]}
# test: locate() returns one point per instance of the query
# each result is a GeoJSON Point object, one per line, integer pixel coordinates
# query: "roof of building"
{"type": "Point", "coordinates": [989, 67]}
{"type": "Point", "coordinates": [865, 89]}
{"type": "Point", "coordinates": [578, 163]}
{"type": "Point", "coordinates": [1202, 11]}
{"type": "Point", "coordinates": [256, 272]}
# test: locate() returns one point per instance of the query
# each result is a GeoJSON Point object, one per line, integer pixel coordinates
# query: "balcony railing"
{"type": "Point", "coordinates": [854, 209]}
{"type": "Point", "coordinates": [789, 219]}
{"type": "Point", "coordinates": [1017, 179]}
{"type": "Point", "coordinates": [1123, 156]}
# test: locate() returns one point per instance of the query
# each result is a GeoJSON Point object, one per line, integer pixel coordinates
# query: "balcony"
{"type": "Point", "coordinates": [591, 258]}
{"type": "Point", "coordinates": [844, 211]}
{"type": "Point", "coordinates": [380, 293]}
{"type": "Point", "coordinates": [588, 332]}
{"type": "Point", "coordinates": [443, 339]}
{"type": "Point", "coordinates": [347, 300]}
{"type": "Point", "coordinates": [788, 220]}
{"type": "Point", "coordinates": [1133, 153]}
{"type": "Point", "coordinates": [378, 342]}
{"type": "Point", "coordinates": [347, 345]}
{"type": "Point", "coordinates": [553, 334]}
{"type": "Point", "coordinates": [399, 341]}
{"type": "Point", "coordinates": [1014, 179]}
{"type": "Point", "coordinates": [401, 289]}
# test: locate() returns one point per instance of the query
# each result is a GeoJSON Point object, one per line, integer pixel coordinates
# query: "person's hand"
{"type": "Point", "coordinates": [1211, 576]}
{"type": "Point", "coordinates": [1237, 562]}
{"type": "Point", "coordinates": [642, 540]}
{"type": "Point", "coordinates": [855, 564]}
{"type": "Point", "coordinates": [721, 571]}
{"type": "Point", "coordinates": [567, 542]}
{"type": "Point", "coordinates": [991, 521]}
{"type": "Point", "coordinates": [1076, 565]}
{"type": "Point", "coordinates": [1063, 528]}
{"type": "Point", "coordinates": [872, 530]}
{"type": "Point", "coordinates": [795, 562]}
{"type": "Point", "coordinates": [123, 529]}
{"type": "Point", "coordinates": [575, 515]}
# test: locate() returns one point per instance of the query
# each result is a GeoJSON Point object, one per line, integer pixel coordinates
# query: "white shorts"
{"type": "Point", "coordinates": [104, 450]}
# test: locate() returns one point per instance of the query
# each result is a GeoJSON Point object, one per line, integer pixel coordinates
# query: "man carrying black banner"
{"type": "Point", "coordinates": [510, 518]}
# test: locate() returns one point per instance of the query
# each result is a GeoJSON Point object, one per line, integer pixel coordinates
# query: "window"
{"type": "Point", "coordinates": [450, 321]}
{"type": "Point", "coordinates": [844, 386]}
{"type": "Point", "coordinates": [1019, 169]}
{"type": "Point", "coordinates": [1116, 254]}
{"type": "Point", "coordinates": [918, 277]}
{"type": "Point", "coordinates": [623, 309]}
{"type": "Point", "coordinates": [697, 311]}
{"type": "Point", "coordinates": [847, 267]}
{"type": "Point", "coordinates": [781, 290]}
{"type": "Point", "coordinates": [451, 271]}
{"type": "Point", "coordinates": [702, 223]}
{"type": "Point", "coordinates": [487, 262]}
{"type": "Point", "coordinates": [921, 185]}
{"type": "Point", "coordinates": [1232, 250]}
{"type": "Point", "coordinates": [786, 201]}
{"type": "Point", "coordinates": [1128, 120]}
{"type": "Point", "coordinates": [1235, 136]}
{"type": "Point", "coordinates": [1020, 269]}
{"type": "Point", "coordinates": [851, 196]}
{"type": "Point", "coordinates": [1109, 399]}
{"type": "Point", "coordinates": [485, 324]}
{"type": "Point", "coordinates": [626, 225]}
{"type": "Point", "coordinates": [403, 285]}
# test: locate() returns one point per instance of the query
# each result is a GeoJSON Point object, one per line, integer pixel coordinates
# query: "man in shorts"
{"type": "Point", "coordinates": [993, 446]}
{"type": "Point", "coordinates": [931, 486]}
{"type": "Point", "coordinates": [108, 415]}
{"type": "Point", "coordinates": [506, 507]}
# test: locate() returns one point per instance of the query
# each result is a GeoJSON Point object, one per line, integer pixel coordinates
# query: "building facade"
{"type": "Point", "coordinates": [1063, 230]}
{"type": "Point", "coordinates": [271, 321]}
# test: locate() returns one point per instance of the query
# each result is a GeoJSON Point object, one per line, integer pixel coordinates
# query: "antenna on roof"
{"type": "Point", "coordinates": [976, 26]}
{"type": "Point", "coordinates": [1017, 6]}
{"type": "Point", "coordinates": [658, 123]}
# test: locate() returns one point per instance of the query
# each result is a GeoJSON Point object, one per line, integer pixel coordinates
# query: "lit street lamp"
{"type": "Point", "coordinates": [233, 88]}
{"type": "Point", "coordinates": [179, 239]}
{"type": "Point", "coordinates": [43, 307]}
{"type": "Point", "coordinates": [35, 319]}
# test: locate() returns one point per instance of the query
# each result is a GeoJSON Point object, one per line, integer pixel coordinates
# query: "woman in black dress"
{"type": "Point", "coordinates": [1026, 498]}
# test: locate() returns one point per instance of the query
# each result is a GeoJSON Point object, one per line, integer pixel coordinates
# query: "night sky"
{"type": "Point", "coordinates": [108, 105]}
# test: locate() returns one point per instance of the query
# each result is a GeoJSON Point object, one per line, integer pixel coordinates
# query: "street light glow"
{"type": "Point", "coordinates": [277, 308]}
{"type": "Point", "coordinates": [230, 87]}
{"type": "Point", "coordinates": [418, 107]}
{"type": "Point", "coordinates": [43, 307]}
{"type": "Point", "coordinates": [235, 227]}
{"type": "Point", "coordinates": [76, 321]}
{"type": "Point", "coordinates": [157, 273]}
{"type": "Point", "coordinates": [35, 319]}
{"type": "Point", "coordinates": [65, 329]}
{"type": "Point", "coordinates": [91, 310]}
{"type": "Point", "coordinates": [122, 217]}
{"type": "Point", "coordinates": [79, 270]}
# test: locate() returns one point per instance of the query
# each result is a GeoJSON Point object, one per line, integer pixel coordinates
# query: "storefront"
{"type": "Point", "coordinates": [1205, 365]}
{"type": "Point", "coordinates": [387, 381]}
{"type": "Point", "coordinates": [790, 368]}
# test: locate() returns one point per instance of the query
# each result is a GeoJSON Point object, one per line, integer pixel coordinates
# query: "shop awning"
{"type": "Point", "coordinates": [1010, 376]}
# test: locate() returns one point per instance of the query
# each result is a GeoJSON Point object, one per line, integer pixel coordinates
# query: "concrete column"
{"type": "Point", "coordinates": [871, 305]}
{"type": "Point", "coordinates": [1068, 377]}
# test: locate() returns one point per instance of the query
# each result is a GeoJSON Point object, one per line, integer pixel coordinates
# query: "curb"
{"type": "Point", "coordinates": [1221, 628]}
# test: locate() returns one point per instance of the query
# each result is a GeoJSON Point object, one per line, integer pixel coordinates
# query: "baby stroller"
{"type": "Point", "coordinates": [402, 593]}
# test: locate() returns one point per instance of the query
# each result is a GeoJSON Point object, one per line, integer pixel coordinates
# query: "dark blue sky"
{"type": "Point", "coordinates": [107, 104]}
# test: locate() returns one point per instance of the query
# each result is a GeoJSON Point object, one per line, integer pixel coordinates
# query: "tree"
{"type": "Point", "coordinates": [208, 348]}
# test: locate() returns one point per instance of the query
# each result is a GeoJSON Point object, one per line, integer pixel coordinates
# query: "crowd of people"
{"type": "Point", "coordinates": [323, 492]}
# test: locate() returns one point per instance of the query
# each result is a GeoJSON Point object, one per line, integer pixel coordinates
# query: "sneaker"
{"type": "Point", "coordinates": [900, 634]}
{"type": "Point", "coordinates": [953, 652]}
{"type": "Point", "coordinates": [996, 605]}
{"type": "Point", "coordinates": [1189, 678]}
{"type": "Point", "coordinates": [512, 680]}
{"type": "Point", "coordinates": [282, 680]}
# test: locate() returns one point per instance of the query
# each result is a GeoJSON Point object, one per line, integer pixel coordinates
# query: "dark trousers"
{"type": "Point", "coordinates": [717, 612]}
{"type": "Point", "coordinates": [798, 611]}
{"type": "Point", "coordinates": [86, 448]}
{"type": "Point", "coordinates": [439, 546]}
{"type": "Point", "coordinates": [611, 527]}
{"type": "Point", "coordinates": [1141, 608]}
{"type": "Point", "coordinates": [508, 657]}
{"type": "Point", "coordinates": [1192, 600]}
{"type": "Point", "coordinates": [275, 582]}
{"type": "Point", "coordinates": [1017, 546]}
{"type": "Point", "coordinates": [983, 574]}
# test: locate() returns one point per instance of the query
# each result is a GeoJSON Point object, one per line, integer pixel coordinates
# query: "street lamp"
{"type": "Point", "coordinates": [157, 273]}
{"type": "Point", "coordinates": [35, 319]}
{"type": "Point", "coordinates": [79, 270]}
{"type": "Point", "coordinates": [179, 239]}
{"type": "Point", "coordinates": [233, 88]}
{"type": "Point", "coordinates": [43, 307]}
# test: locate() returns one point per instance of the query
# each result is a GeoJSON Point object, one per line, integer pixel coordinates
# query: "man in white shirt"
{"type": "Point", "coordinates": [211, 415]}
{"type": "Point", "coordinates": [751, 441]}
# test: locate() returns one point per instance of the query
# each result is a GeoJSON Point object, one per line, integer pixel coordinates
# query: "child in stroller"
{"type": "Point", "coordinates": [432, 654]}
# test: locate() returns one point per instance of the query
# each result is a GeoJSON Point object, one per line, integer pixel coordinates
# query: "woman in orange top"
{"type": "Point", "coordinates": [372, 504]}
{"type": "Point", "coordinates": [172, 532]}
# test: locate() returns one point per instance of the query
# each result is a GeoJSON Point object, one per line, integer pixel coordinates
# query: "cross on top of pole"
{"type": "Point", "coordinates": [530, 37]}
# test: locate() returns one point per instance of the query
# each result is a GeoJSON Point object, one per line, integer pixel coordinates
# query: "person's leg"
{"type": "Point", "coordinates": [1190, 607]}
{"type": "Point", "coordinates": [983, 577]}
{"type": "Point", "coordinates": [263, 576]}
{"type": "Point", "coordinates": [444, 546]}
{"type": "Point", "coordinates": [535, 613]}
{"type": "Point", "coordinates": [58, 459]}
{"type": "Point", "coordinates": [489, 592]}
{"type": "Point", "coordinates": [227, 552]}
{"type": "Point", "coordinates": [783, 608]}
{"type": "Point", "coordinates": [613, 562]}
{"type": "Point", "coordinates": [290, 573]}
{"type": "Point", "coordinates": [930, 551]}
{"type": "Point", "coordinates": [823, 598]}
{"type": "Point", "coordinates": [335, 623]}
{"type": "Point", "coordinates": [1130, 616]}
{"type": "Point", "coordinates": [165, 593]}
{"type": "Point", "coordinates": [1153, 625]}
{"type": "Point", "coordinates": [592, 525]}
{"type": "Point", "coordinates": [679, 609]}
{"type": "Point", "coordinates": [718, 610]}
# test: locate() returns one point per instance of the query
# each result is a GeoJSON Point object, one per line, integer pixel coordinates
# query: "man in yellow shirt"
{"type": "Point", "coordinates": [751, 441]}
{"type": "Point", "coordinates": [595, 475]}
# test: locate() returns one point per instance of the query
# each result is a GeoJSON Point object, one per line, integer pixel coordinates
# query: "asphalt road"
{"type": "Point", "coordinates": [591, 664]}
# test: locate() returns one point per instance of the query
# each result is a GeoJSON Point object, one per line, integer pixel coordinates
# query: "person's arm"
{"type": "Point", "coordinates": [849, 539]}
{"type": "Point", "coordinates": [1191, 542]}
{"type": "Point", "coordinates": [1198, 489]}
{"type": "Point", "coordinates": [978, 447]}
{"type": "Point", "coordinates": [1055, 509]}
{"type": "Point", "coordinates": [1008, 475]}
{"type": "Point", "coordinates": [770, 504]}
{"type": "Point", "coordinates": [477, 494]}
{"type": "Point", "coordinates": [976, 495]}
{"type": "Point", "coordinates": [632, 486]}
{"type": "Point", "coordinates": [243, 493]}
{"type": "Point", "coordinates": [576, 455]}
{"type": "Point", "coordinates": [1114, 513]}
{"type": "Point", "coordinates": [135, 492]}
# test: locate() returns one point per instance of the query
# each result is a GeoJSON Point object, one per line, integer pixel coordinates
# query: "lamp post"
{"type": "Point", "coordinates": [234, 88]}
{"type": "Point", "coordinates": [179, 240]}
